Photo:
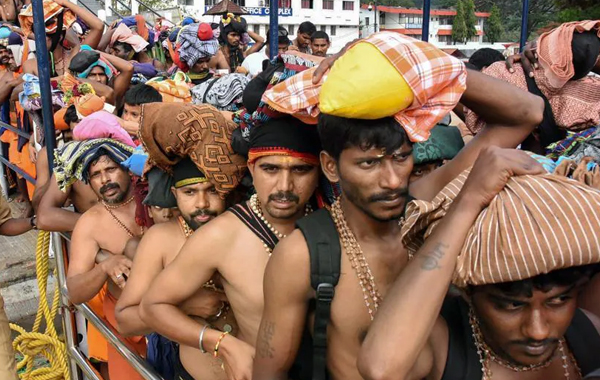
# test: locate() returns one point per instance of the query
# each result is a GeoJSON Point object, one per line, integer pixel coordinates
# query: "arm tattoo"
{"type": "Point", "coordinates": [264, 348]}
{"type": "Point", "coordinates": [430, 260]}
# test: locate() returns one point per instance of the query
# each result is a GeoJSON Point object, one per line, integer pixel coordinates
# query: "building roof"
{"type": "Point", "coordinates": [224, 7]}
{"type": "Point", "coordinates": [448, 32]}
{"type": "Point", "coordinates": [414, 11]}
{"type": "Point", "coordinates": [408, 32]}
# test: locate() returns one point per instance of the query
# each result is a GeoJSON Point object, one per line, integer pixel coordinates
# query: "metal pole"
{"type": "Point", "coordinates": [426, 13]}
{"type": "Point", "coordinates": [524, 23]}
{"type": "Point", "coordinates": [273, 28]}
{"type": "Point", "coordinates": [376, 17]}
{"type": "Point", "coordinates": [41, 52]}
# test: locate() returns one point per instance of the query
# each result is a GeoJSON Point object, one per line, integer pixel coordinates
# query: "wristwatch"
{"type": "Point", "coordinates": [32, 222]}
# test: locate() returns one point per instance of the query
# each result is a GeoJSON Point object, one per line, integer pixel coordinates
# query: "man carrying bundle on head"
{"type": "Point", "coordinates": [107, 226]}
{"type": "Point", "coordinates": [196, 198]}
{"type": "Point", "coordinates": [233, 29]}
{"type": "Point", "coordinates": [236, 245]}
{"type": "Point", "coordinates": [346, 259]}
{"type": "Point", "coordinates": [520, 250]}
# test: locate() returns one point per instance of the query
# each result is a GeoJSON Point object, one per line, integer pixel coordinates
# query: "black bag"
{"type": "Point", "coordinates": [325, 256]}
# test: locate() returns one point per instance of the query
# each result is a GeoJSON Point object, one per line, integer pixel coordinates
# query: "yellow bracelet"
{"type": "Point", "coordinates": [216, 352]}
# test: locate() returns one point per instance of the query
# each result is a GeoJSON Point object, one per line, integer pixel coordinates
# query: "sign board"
{"type": "Point", "coordinates": [413, 26]}
{"type": "Point", "coordinates": [261, 11]}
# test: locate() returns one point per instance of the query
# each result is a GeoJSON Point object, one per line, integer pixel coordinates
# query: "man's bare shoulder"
{"type": "Point", "coordinates": [163, 233]}
{"type": "Point", "coordinates": [92, 218]}
{"type": "Point", "coordinates": [224, 228]}
{"type": "Point", "coordinates": [293, 247]}
{"type": "Point", "coordinates": [291, 255]}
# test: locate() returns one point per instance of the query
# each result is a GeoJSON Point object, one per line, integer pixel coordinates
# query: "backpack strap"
{"type": "Point", "coordinates": [584, 341]}
{"type": "Point", "coordinates": [325, 256]}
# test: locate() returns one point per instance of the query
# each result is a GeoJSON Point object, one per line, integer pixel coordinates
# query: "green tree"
{"type": "Point", "coordinates": [470, 18]}
{"type": "Point", "coordinates": [459, 26]}
{"type": "Point", "coordinates": [493, 28]}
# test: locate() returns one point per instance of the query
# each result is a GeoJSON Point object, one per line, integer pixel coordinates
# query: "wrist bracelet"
{"type": "Point", "coordinates": [216, 352]}
{"type": "Point", "coordinates": [201, 341]}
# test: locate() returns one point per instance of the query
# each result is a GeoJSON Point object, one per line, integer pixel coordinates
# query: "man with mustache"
{"type": "Point", "coordinates": [107, 226]}
{"type": "Point", "coordinates": [199, 203]}
{"type": "Point", "coordinates": [238, 244]}
{"type": "Point", "coordinates": [372, 162]}
{"type": "Point", "coordinates": [4, 58]}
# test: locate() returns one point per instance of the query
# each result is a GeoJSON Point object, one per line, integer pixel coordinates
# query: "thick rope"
{"type": "Point", "coordinates": [47, 344]}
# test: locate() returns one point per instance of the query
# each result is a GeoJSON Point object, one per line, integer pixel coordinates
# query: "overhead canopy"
{"type": "Point", "coordinates": [224, 7]}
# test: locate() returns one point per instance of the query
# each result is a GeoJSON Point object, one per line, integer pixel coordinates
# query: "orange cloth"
{"type": "Point", "coordinates": [436, 79]}
{"type": "Point", "coordinates": [97, 345]}
{"type": "Point", "coordinates": [555, 54]}
{"type": "Point", "coordinates": [59, 120]}
{"type": "Point", "coordinates": [118, 367]}
{"type": "Point", "coordinates": [51, 11]}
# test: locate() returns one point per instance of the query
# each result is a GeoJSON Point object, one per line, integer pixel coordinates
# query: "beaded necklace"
{"type": "Point", "coordinates": [109, 208]}
{"type": "Point", "coordinates": [487, 355]}
{"type": "Point", "coordinates": [358, 260]}
{"type": "Point", "coordinates": [255, 207]}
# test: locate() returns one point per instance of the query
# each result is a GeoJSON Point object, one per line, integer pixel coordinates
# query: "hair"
{"type": "Point", "coordinates": [71, 115]}
{"type": "Point", "coordinates": [319, 34]}
{"type": "Point", "coordinates": [586, 48]}
{"type": "Point", "coordinates": [307, 27]}
{"type": "Point", "coordinates": [128, 48]}
{"type": "Point", "coordinates": [142, 94]}
{"type": "Point", "coordinates": [338, 133]}
{"type": "Point", "coordinates": [2, 47]}
{"type": "Point", "coordinates": [546, 282]}
{"type": "Point", "coordinates": [485, 57]}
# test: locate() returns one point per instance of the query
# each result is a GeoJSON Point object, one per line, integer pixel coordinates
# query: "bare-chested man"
{"type": "Point", "coordinates": [198, 203]}
{"type": "Point", "coordinates": [107, 226]}
{"type": "Point", "coordinates": [9, 10]}
{"type": "Point", "coordinates": [372, 162]}
{"type": "Point", "coordinates": [237, 245]}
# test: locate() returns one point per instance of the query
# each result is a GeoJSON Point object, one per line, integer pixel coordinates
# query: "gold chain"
{"type": "Point", "coordinates": [357, 259]}
{"type": "Point", "coordinates": [117, 220]}
{"type": "Point", "coordinates": [487, 355]}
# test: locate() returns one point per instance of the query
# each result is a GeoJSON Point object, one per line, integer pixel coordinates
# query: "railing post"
{"type": "Point", "coordinates": [524, 24]}
{"type": "Point", "coordinates": [68, 318]}
{"type": "Point", "coordinates": [107, 8]}
{"type": "Point", "coordinates": [41, 52]}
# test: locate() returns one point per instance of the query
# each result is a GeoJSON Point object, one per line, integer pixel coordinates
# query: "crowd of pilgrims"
{"type": "Point", "coordinates": [385, 212]}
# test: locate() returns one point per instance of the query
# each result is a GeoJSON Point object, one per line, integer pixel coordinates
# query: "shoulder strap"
{"type": "Point", "coordinates": [258, 227]}
{"type": "Point", "coordinates": [584, 342]}
{"type": "Point", "coordinates": [325, 255]}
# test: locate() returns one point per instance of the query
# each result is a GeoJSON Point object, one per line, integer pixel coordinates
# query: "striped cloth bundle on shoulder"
{"type": "Point", "coordinates": [537, 224]}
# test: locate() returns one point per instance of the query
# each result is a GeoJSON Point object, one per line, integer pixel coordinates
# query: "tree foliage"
{"type": "Point", "coordinates": [493, 27]}
{"type": "Point", "coordinates": [459, 26]}
{"type": "Point", "coordinates": [470, 18]}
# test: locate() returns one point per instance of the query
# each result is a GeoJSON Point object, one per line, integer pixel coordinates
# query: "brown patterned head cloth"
{"type": "Point", "coordinates": [537, 224]}
{"type": "Point", "coordinates": [171, 131]}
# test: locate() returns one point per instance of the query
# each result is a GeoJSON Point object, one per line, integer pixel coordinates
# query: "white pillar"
{"type": "Point", "coordinates": [135, 7]}
{"type": "Point", "coordinates": [107, 10]}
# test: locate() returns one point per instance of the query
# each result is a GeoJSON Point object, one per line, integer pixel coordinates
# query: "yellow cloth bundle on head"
{"type": "Point", "coordinates": [363, 84]}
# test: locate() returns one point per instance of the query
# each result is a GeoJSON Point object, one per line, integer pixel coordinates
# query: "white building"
{"type": "Point", "coordinates": [409, 21]}
{"type": "Point", "coordinates": [338, 18]}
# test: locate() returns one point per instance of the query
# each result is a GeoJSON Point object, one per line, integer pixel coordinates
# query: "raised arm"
{"type": "Point", "coordinates": [511, 114]}
{"type": "Point", "coordinates": [96, 25]}
{"type": "Point", "coordinates": [7, 84]}
{"type": "Point", "coordinates": [219, 62]}
{"type": "Point", "coordinates": [42, 178]}
{"type": "Point", "coordinates": [101, 90]}
{"type": "Point", "coordinates": [286, 304]}
{"type": "Point", "coordinates": [259, 42]}
{"type": "Point", "coordinates": [123, 80]}
{"type": "Point", "coordinates": [411, 308]}
{"type": "Point", "coordinates": [51, 215]}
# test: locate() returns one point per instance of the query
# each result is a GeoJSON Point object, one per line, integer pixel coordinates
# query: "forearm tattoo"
{"type": "Point", "coordinates": [431, 260]}
{"type": "Point", "coordinates": [264, 348]}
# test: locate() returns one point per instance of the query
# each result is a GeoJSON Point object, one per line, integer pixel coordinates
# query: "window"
{"type": "Point", "coordinates": [307, 4]}
{"type": "Point", "coordinates": [445, 39]}
{"type": "Point", "coordinates": [332, 30]}
{"type": "Point", "coordinates": [367, 22]}
{"type": "Point", "coordinates": [208, 3]}
{"type": "Point", "coordinates": [348, 5]}
{"type": "Point", "coordinates": [256, 28]}
{"type": "Point", "coordinates": [291, 30]}
{"type": "Point", "coordinates": [327, 4]}
{"type": "Point", "coordinates": [190, 3]}
{"type": "Point", "coordinates": [241, 3]}
{"type": "Point", "coordinates": [323, 28]}
{"type": "Point", "coordinates": [285, 3]}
